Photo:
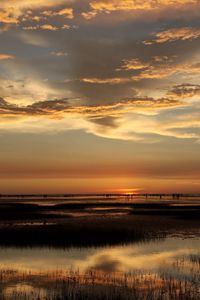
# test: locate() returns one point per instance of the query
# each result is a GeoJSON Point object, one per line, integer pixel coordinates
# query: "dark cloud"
{"type": "Point", "coordinates": [51, 107]}
{"type": "Point", "coordinates": [5, 107]}
{"type": "Point", "coordinates": [38, 108]}
{"type": "Point", "coordinates": [105, 121]}
{"type": "Point", "coordinates": [185, 90]}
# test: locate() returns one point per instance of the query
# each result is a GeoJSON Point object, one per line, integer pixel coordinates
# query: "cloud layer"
{"type": "Point", "coordinates": [93, 66]}
{"type": "Point", "coordinates": [99, 89]}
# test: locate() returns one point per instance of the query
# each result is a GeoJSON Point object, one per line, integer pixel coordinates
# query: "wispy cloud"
{"type": "Point", "coordinates": [158, 68]}
{"type": "Point", "coordinates": [175, 34]}
{"type": "Point", "coordinates": [126, 5]}
{"type": "Point", "coordinates": [133, 64]}
{"type": "Point", "coordinates": [128, 119]}
{"type": "Point", "coordinates": [65, 12]}
{"type": "Point", "coordinates": [52, 107]}
{"type": "Point", "coordinates": [113, 80]}
{"type": "Point", "coordinates": [185, 90]}
{"type": "Point", "coordinates": [132, 6]}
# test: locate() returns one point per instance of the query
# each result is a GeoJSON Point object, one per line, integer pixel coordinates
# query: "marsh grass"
{"type": "Point", "coordinates": [98, 285]}
{"type": "Point", "coordinates": [195, 259]}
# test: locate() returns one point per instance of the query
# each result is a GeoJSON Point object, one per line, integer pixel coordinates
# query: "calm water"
{"type": "Point", "coordinates": [38, 273]}
{"type": "Point", "coordinates": [150, 256]}
{"type": "Point", "coordinates": [176, 257]}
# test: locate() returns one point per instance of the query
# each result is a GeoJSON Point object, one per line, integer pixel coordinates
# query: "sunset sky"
{"type": "Point", "coordinates": [99, 96]}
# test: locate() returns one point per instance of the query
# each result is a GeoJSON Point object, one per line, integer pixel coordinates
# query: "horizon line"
{"type": "Point", "coordinates": [99, 194]}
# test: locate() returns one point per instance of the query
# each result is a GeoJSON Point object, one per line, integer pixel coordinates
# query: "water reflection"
{"type": "Point", "coordinates": [32, 273]}
{"type": "Point", "coordinates": [151, 256]}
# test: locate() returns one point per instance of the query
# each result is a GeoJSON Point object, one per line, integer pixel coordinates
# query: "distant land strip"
{"type": "Point", "coordinates": [106, 195]}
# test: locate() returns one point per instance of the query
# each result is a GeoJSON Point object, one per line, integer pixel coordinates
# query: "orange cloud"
{"type": "Point", "coordinates": [113, 5]}
{"type": "Point", "coordinates": [43, 27]}
{"type": "Point", "coordinates": [66, 26]}
{"type": "Point", "coordinates": [63, 106]}
{"type": "Point", "coordinates": [4, 56]}
{"type": "Point", "coordinates": [8, 16]}
{"type": "Point", "coordinates": [160, 67]}
{"type": "Point", "coordinates": [174, 34]}
{"type": "Point", "coordinates": [66, 12]}
{"type": "Point", "coordinates": [17, 11]}
{"type": "Point", "coordinates": [48, 27]}
{"type": "Point", "coordinates": [160, 71]}
{"type": "Point", "coordinates": [129, 119]}
{"type": "Point", "coordinates": [20, 6]}
{"type": "Point", "coordinates": [133, 64]}
{"type": "Point", "coordinates": [89, 15]}
{"type": "Point", "coordinates": [108, 6]}
{"type": "Point", "coordinates": [114, 80]}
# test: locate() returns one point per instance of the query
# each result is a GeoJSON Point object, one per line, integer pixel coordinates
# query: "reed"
{"type": "Point", "coordinates": [94, 284]}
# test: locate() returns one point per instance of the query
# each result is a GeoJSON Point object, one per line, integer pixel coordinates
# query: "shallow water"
{"type": "Point", "coordinates": [150, 256]}
{"type": "Point", "coordinates": [159, 264]}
